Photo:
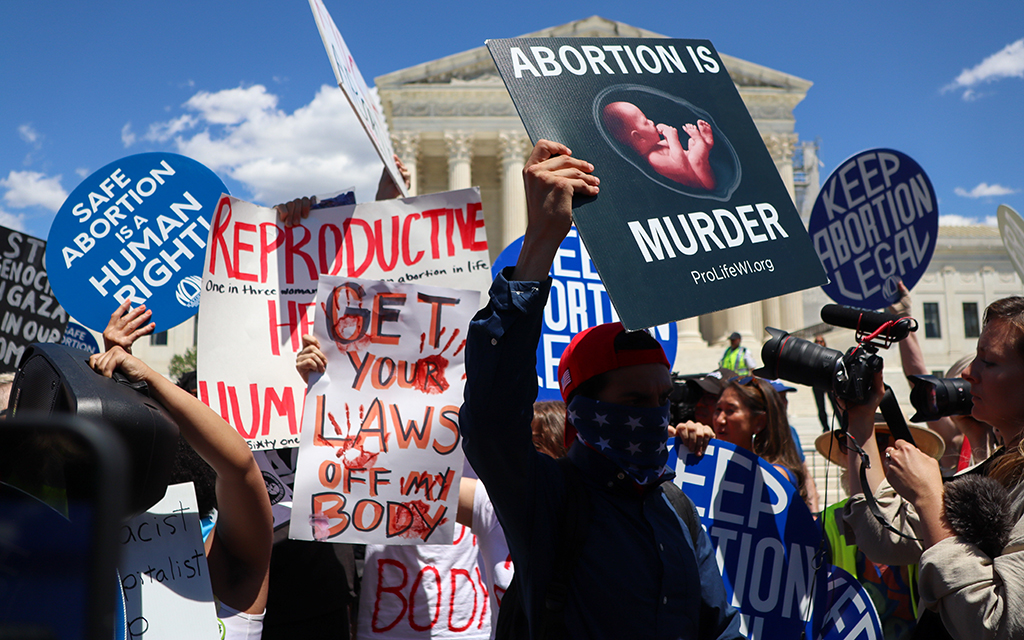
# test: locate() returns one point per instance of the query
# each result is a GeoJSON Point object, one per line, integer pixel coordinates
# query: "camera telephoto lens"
{"type": "Point", "coordinates": [798, 360]}
{"type": "Point", "coordinates": [934, 398]}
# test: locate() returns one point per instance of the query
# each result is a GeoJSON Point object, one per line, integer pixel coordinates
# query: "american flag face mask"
{"type": "Point", "coordinates": [634, 438]}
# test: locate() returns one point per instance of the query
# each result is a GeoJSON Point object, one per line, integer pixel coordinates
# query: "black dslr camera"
{"type": "Point", "coordinates": [849, 375]}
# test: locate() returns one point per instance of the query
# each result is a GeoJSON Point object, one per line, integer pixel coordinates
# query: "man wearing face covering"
{"type": "Point", "coordinates": [636, 571]}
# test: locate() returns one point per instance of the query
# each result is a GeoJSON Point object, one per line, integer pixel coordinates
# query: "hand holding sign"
{"type": "Point", "coordinates": [552, 177]}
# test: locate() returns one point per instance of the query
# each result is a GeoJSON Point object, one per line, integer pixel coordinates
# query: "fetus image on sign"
{"type": "Point", "coordinates": [659, 144]}
{"type": "Point", "coordinates": [671, 141]}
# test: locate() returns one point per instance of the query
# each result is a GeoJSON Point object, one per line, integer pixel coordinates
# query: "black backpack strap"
{"type": "Point", "coordinates": [685, 508]}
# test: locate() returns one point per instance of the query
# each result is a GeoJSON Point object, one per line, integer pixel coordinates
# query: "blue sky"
{"type": "Point", "coordinates": [246, 88]}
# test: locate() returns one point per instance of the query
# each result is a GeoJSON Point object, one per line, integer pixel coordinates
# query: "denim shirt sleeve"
{"type": "Point", "coordinates": [501, 386]}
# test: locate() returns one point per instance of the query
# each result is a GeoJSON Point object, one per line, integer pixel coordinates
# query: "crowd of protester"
{"type": "Point", "coordinates": [565, 504]}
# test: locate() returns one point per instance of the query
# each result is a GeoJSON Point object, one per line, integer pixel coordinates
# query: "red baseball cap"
{"type": "Point", "coordinates": [591, 353]}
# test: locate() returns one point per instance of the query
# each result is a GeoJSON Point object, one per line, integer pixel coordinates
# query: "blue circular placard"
{"type": "Point", "coordinates": [137, 228]}
{"type": "Point", "coordinates": [875, 222]}
{"type": "Point", "coordinates": [578, 300]}
{"type": "Point", "coordinates": [78, 337]}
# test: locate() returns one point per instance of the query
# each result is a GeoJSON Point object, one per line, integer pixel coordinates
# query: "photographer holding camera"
{"type": "Point", "coordinates": [967, 538]}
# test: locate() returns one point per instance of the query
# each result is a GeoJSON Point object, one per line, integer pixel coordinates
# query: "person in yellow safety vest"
{"type": "Point", "coordinates": [892, 589]}
{"type": "Point", "coordinates": [737, 358]}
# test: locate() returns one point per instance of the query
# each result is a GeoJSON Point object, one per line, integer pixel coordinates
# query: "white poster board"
{"type": "Point", "coordinates": [260, 278]}
{"type": "Point", "coordinates": [163, 571]}
{"type": "Point", "coordinates": [358, 94]}
{"type": "Point", "coordinates": [380, 458]}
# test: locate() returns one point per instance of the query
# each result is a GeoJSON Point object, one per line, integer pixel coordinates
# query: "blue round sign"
{"type": "Point", "coordinates": [764, 536]}
{"type": "Point", "coordinates": [875, 223]}
{"type": "Point", "coordinates": [78, 337]}
{"type": "Point", "coordinates": [849, 614]}
{"type": "Point", "coordinates": [137, 229]}
{"type": "Point", "coordinates": [578, 301]}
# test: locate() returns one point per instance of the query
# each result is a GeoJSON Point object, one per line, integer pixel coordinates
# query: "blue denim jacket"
{"type": "Point", "coordinates": [637, 575]}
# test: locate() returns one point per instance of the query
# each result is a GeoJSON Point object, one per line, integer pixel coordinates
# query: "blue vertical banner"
{"type": "Point", "coordinates": [578, 301]}
{"type": "Point", "coordinates": [135, 229]}
{"type": "Point", "coordinates": [766, 541]}
{"type": "Point", "coordinates": [875, 223]}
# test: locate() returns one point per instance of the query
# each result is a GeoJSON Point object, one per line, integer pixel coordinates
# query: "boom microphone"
{"type": "Point", "coordinates": [867, 321]}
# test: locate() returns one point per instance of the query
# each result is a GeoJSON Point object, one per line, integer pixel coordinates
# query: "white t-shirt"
{"type": "Point", "coordinates": [494, 555]}
{"type": "Point", "coordinates": [412, 592]}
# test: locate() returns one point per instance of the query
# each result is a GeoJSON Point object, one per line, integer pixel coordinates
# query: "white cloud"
{"type": "Point", "coordinates": [240, 133]}
{"type": "Point", "coordinates": [32, 189]}
{"type": "Point", "coordinates": [127, 136]}
{"type": "Point", "coordinates": [232, 106]}
{"type": "Point", "coordinates": [984, 190]}
{"type": "Point", "coordinates": [14, 221]}
{"type": "Point", "coordinates": [164, 131]}
{"type": "Point", "coordinates": [956, 220]}
{"type": "Point", "coordinates": [1007, 63]}
{"type": "Point", "coordinates": [82, 172]}
{"type": "Point", "coordinates": [29, 134]}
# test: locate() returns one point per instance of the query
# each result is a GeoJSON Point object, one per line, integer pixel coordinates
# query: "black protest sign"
{"type": "Point", "coordinates": [29, 312]}
{"type": "Point", "coordinates": [693, 216]}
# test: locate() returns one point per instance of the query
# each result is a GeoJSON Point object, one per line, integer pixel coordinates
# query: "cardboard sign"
{"type": "Point", "coordinates": [78, 337]}
{"type": "Point", "coordinates": [693, 216]}
{"type": "Point", "coordinates": [849, 612]}
{"type": "Point", "coordinates": [875, 222]}
{"type": "Point", "coordinates": [765, 538]}
{"type": "Point", "coordinates": [1011, 229]}
{"type": "Point", "coordinates": [163, 571]}
{"type": "Point", "coordinates": [355, 89]}
{"type": "Point", "coordinates": [578, 300]}
{"type": "Point", "coordinates": [380, 450]}
{"type": "Point", "coordinates": [134, 229]}
{"type": "Point", "coordinates": [260, 280]}
{"type": "Point", "coordinates": [29, 312]}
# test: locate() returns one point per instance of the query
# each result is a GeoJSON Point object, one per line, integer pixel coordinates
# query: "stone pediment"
{"type": "Point", "coordinates": [475, 67]}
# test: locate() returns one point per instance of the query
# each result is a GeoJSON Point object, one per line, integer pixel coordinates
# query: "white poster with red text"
{"type": "Point", "coordinates": [260, 279]}
{"type": "Point", "coordinates": [379, 459]}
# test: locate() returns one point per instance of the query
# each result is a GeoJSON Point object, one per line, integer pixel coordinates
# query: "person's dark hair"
{"type": "Point", "coordinates": [774, 443]}
{"type": "Point", "coordinates": [188, 466]}
{"type": "Point", "coordinates": [1008, 470]}
{"type": "Point", "coordinates": [188, 382]}
{"type": "Point", "coordinates": [625, 341]}
{"type": "Point", "coordinates": [549, 421]}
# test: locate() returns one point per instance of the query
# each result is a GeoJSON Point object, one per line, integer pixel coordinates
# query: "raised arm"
{"type": "Point", "coordinates": [238, 551]}
{"type": "Point", "coordinates": [127, 325]}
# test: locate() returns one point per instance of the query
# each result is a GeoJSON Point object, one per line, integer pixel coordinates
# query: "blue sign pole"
{"type": "Point", "coordinates": [137, 229]}
{"type": "Point", "coordinates": [578, 301]}
{"type": "Point", "coordinates": [875, 222]}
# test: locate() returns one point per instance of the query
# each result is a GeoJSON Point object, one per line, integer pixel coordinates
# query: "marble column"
{"type": "Point", "coordinates": [780, 146]}
{"type": "Point", "coordinates": [459, 145]}
{"type": "Point", "coordinates": [407, 146]}
{"type": "Point", "coordinates": [791, 308]}
{"type": "Point", "coordinates": [741, 319]}
{"type": "Point", "coordinates": [771, 312]}
{"type": "Point", "coordinates": [512, 149]}
{"type": "Point", "coordinates": [689, 331]}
